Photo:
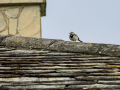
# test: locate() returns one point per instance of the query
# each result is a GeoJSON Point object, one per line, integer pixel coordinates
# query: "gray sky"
{"type": "Point", "coordinates": [94, 21]}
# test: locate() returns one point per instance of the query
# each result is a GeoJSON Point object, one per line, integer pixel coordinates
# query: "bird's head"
{"type": "Point", "coordinates": [71, 33]}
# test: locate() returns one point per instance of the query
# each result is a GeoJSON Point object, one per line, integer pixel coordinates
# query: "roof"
{"type": "Point", "coordinates": [48, 64]}
{"type": "Point", "coordinates": [25, 2]}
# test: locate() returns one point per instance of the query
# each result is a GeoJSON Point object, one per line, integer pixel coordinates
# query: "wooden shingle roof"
{"type": "Point", "coordinates": [31, 67]}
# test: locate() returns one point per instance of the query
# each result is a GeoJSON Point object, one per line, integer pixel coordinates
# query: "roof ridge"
{"type": "Point", "coordinates": [29, 43]}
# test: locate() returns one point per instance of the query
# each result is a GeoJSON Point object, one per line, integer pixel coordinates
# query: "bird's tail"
{"type": "Point", "coordinates": [79, 40]}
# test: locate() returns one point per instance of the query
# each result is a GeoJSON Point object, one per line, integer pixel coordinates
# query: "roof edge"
{"type": "Point", "coordinates": [29, 43]}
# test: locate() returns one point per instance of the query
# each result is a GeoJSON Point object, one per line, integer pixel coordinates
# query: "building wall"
{"type": "Point", "coordinates": [20, 20]}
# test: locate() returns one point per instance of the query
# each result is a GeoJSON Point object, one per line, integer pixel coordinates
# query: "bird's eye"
{"type": "Point", "coordinates": [71, 35]}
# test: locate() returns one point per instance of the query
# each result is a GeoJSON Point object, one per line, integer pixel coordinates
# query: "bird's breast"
{"type": "Point", "coordinates": [73, 38]}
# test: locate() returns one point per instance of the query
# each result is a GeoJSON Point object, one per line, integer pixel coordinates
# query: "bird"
{"type": "Point", "coordinates": [74, 37]}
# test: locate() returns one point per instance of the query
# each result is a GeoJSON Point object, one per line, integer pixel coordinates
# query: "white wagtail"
{"type": "Point", "coordinates": [74, 37]}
